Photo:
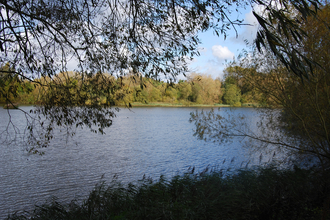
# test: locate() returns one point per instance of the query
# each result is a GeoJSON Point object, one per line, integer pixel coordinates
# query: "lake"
{"type": "Point", "coordinates": [150, 141]}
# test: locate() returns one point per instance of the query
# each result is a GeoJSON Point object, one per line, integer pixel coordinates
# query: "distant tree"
{"type": "Point", "coordinates": [232, 95]}
{"type": "Point", "coordinates": [8, 84]}
{"type": "Point", "coordinates": [155, 95]}
{"type": "Point", "coordinates": [204, 89]}
{"type": "Point", "coordinates": [230, 79]}
{"type": "Point", "coordinates": [184, 89]}
{"type": "Point", "coordinates": [211, 89]}
{"type": "Point", "coordinates": [171, 94]}
{"type": "Point", "coordinates": [239, 76]}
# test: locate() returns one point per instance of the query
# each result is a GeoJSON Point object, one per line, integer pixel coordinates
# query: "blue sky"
{"type": "Point", "coordinates": [215, 51]}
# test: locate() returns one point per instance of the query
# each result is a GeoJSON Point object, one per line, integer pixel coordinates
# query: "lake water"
{"type": "Point", "coordinates": [150, 141]}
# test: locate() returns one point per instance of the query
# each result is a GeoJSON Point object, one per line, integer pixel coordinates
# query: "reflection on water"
{"type": "Point", "coordinates": [151, 141]}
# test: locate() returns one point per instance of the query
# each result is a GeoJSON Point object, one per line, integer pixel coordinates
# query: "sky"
{"type": "Point", "coordinates": [216, 51]}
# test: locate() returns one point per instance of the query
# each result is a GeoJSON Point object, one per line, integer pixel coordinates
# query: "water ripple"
{"type": "Point", "coordinates": [151, 141]}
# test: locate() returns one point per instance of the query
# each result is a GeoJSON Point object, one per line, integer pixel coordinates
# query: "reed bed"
{"type": "Point", "coordinates": [263, 193]}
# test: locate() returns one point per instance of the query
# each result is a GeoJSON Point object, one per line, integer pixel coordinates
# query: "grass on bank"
{"type": "Point", "coordinates": [265, 193]}
{"type": "Point", "coordinates": [157, 104]}
{"type": "Point", "coordinates": [188, 104]}
{"type": "Point", "coordinates": [165, 104]}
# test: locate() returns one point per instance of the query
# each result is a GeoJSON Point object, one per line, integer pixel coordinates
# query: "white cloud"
{"type": "Point", "coordinates": [250, 31]}
{"type": "Point", "coordinates": [259, 9]}
{"type": "Point", "coordinates": [250, 19]}
{"type": "Point", "coordinates": [247, 32]}
{"type": "Point", "coordinates": [222, 53]}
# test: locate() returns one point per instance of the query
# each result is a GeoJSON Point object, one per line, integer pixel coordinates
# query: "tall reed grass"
{"type": "Point", "coordinates": [264, 193]}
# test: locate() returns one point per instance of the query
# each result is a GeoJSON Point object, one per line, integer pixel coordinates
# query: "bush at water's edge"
{"type": "Point", "coordinates": [265, 193]}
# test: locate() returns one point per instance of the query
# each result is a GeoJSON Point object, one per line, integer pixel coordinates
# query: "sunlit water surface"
{"type": "Point", "coordinates": [150, 141]}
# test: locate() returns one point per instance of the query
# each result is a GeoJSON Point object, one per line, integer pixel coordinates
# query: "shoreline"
{"type": "Point", "coordinates": [163, 104]}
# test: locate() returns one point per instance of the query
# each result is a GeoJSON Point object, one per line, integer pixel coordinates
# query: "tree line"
{"type": "Point", "coordinates": [104, 89]}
